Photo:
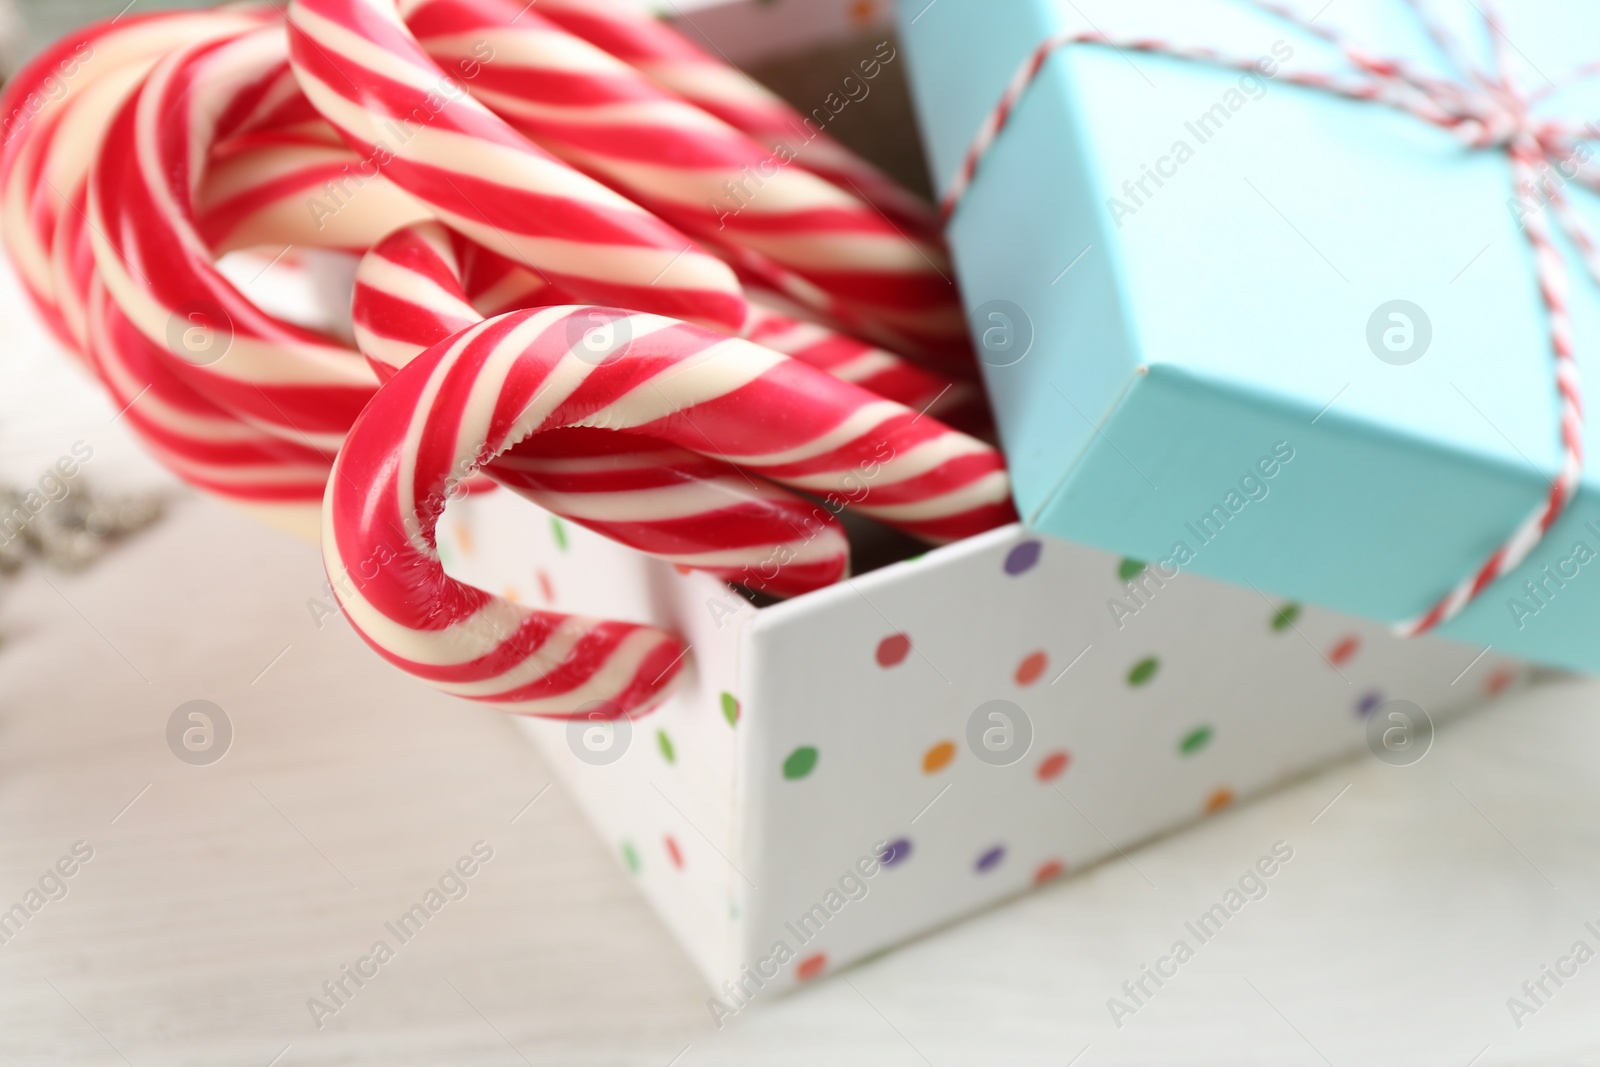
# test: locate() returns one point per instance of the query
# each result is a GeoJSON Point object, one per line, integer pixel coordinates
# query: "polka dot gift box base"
{"type": "Point", "coordinates": [847, 769]}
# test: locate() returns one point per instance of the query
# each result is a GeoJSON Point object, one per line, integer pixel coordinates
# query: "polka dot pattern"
{"type": "Point", "coordinates": [938, 757]}
{"type": "Point", "coordinates": [1344, 650]}
{"type": "Point", "coordinates": [1195, 740]}
{"type": "Point", "coordinates": [1142, 672]}
{"type": "Point", "coordinates": [892, 650]}
{"type": "Point", "coordinates": [990, 859]}
{"type": "Point", "coordinates": [1219, 799]}
{"type": "Point", "coordinates": [1048, 871]}
{"type": "Point", "coordinates": [664, 743]}
{"type": "Point", "coordinates": [730, 709]}
{"type": "Point", "coordinates": [1023, 557]}
{"type": "Point", "coordinates": [811, 966]}
{"type": "Point", "coordinates": [1051, 766]}
{"type": "Point", "coordinates": [801, 762]}
{"type": "Point", "coordinates": [895, 852]}
{"type": "Point", "coordinates": [673, 852]}
{"type": "Point", "coordinates": [1032, 667]}
{"type": "Point", "coordinates": [1285, 617]}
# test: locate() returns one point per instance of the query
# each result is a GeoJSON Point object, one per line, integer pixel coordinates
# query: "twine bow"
{"type": "Point", "coordinates": [1487, 110]}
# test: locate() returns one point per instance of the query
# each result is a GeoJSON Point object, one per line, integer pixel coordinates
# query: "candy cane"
{"type": "Point", "coordinates": [633, 34]}
{"type": "Point", "coordinates": [507, 379]}
{"type": "Point", "coordinates": [423, 132]}
{"type": "Point", "coordinates": [695, 171]}
{"type": "Point", "coordinates": [681, 506]}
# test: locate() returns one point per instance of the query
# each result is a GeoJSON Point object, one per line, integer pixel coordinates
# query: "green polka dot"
{"type": "Point", "coordinates": [558, 530]}
{"type": "Point", "coordinates": [1143, 671]}
{"type": "Point", "coordinates": [665, 744]}
{"type": "Point", "coordinates": [1130, 569]}
{"type": "Point", "coordinates": [1286, 616]}
{"type": "Point", "coordinates": [630, 856]}
{"type": "Point", "coordinates": [800, 762]}
{"type": "Point", "coordinates": [1195, 740]}
{"type": "Point", "coordinates": [730, 709]}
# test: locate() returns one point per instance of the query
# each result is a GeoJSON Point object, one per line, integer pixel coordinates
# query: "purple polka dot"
{"type": "Point", "coordinates": [1367, 702]}
{"type": "Point", "coordinates": [894, 851]}
{"type": "Point", "coordinates": [1023, 557]}
{"type": "Point", "coordinates": [991, 858]}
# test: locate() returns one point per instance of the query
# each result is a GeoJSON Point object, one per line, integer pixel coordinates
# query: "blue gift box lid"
{"type": "Point", "coordinates": [1240, 327]}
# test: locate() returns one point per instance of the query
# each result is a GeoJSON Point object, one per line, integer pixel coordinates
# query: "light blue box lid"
{"type": "Point", "coordinates": [1194, 260]}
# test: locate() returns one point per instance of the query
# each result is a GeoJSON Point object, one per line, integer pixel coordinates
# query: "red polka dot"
{"type": "Point", "coordinates": [811, 966]}
{"type": "Point", "coordinates": [893, 649]}
{"type": "Point", "coordinates": [1031, 667]}
{"type": "Point", "coordinates": [672, 852]}
{"type": "Point", "coordinates": [547, 590]}
{"type": "Point", "coordinates": [1048, 871]}
{"type": "Point", "coordinates": [1345, 650]}
{"type": "Point", "coordinates": [1499, 680]}
{"type": "Point", "coordinates": [1051, 767]}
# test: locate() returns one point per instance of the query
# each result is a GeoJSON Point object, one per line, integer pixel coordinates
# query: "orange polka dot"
{"type": "Point", "coordinates": [511, 594]}
{"type": "Point", "coordinates": [1345, 650]}
{"type": "Point", "coordinates": [1497, 681]}
{"type": "Point", "coordinates": [1051, 766]}
{"type": "Point", "coordinates": [938, 757]}
{"type": "Point", "coordinates": [672, 852]}
{"type": "Point", "coordinates": [811, 966]}
{"type": "Point", "coordinates": [1048, 871]}
{"type": "Point", "coordinates": [464, 538]}
{"type": "Point", "coordinates": [681, 569]}
{"type": "Point", "coordinates": [1031, 667]}
{"type": "Point", "coordinates": [862, 12]}
{"type": "Point", "coordinates": [1219, 800]}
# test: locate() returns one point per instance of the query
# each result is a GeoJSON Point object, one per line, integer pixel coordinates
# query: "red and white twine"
{"type": "Point", "coordinates": [1487, 110]}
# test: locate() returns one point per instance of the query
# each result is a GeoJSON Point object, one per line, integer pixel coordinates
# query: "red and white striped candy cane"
{"type": "Point", "coordinates": [633, 34]}
{"type": "Point", "coordinates": [693, 510]}
{"type": "Point", "coordinates": [1486, 109]}
{"type": "Point", "coordinates": [695, 171]}
{"type": "Point", "coordinates": [507, 379]}
{"type": "Point", "coordinates": [361, 68]}
{"type": "Point", "coordinates": [53, 113]}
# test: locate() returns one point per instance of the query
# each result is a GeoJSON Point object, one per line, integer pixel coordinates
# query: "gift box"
{"type": "Point", "coordinates": [841, 771]}
{"type": "Point", "coordinates": [1240, 327]}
